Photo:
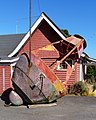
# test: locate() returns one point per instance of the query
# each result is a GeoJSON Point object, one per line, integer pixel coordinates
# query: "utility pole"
{"type": "Point", "coordinates": [30, 21]}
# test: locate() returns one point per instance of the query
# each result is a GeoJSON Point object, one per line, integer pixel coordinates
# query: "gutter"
{"type": "Point", "coordinates": [9, 60]}
{"type": "Point", "coordinates": [88, 58]}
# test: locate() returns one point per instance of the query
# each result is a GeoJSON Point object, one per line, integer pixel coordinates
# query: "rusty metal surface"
{"type": "Point", "coordinates": [31, 83]}
{"type": "Point", "coordinates": [73, 40]}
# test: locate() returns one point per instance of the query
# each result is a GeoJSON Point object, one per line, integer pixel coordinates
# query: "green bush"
{"type": "Point", "coordinates": [80, 88]}
{"type": "Point", "coordinates": [91, 74]}
{"type": "Point", "coordinates": [94, 87]}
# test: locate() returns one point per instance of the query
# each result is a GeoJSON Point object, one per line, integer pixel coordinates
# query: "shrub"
{"type": "Point", "coordinates": [94, 86]}
{"type": "Point", "coordinates": [80, 88]}
{"type": "Point", "coordinates": [91, 74]}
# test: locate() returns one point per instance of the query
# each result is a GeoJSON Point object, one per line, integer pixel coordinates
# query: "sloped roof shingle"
{"type": "Point", "coordinates": [9, 42]}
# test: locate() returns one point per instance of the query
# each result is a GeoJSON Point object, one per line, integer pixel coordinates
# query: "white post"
{"type": "Point", "coordinates": [3, 79]}
{"type": "Point", "coordinates": [81, 72]}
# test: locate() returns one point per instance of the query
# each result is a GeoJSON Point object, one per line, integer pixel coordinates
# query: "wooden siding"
{"type": "Point", "coordinates": [25, 48]}
{"type": "Point", "coordinates": [77, 73]}
{"type": "Point", "coordinates": [62, 76]}
{"type": "Point", "coordinates": [49, 62]}
{"type": "Point", "coordinates": [47, 54]}
{"type": "Point", "coordinates": [38, 40]}
{"type": "Point", "coordinates": [41, 37]}
{"type": "Point", "coordinates": [1, 85]}
{"type": "Point", "coordinates": [62, 73]}
{"type": "Point", "coordinates": [5, 78]}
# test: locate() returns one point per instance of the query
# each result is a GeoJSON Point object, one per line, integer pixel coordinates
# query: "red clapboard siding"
{"type": "Point", "coordinates": [77, 72]}
{"type": "Point", "coordinates": [0, 79]}
{"type": "Point", "coordinates": [49, 62]}
{"type": "Point", "coordinates": [39, 40]}
{"type": "Point", "coordinates": [43, 36]}
{"type": "Point", "coordinates": [25, 48]}
{"type": "Point", "coordinates": [47, 54]}
{"type": "Point", "coordinates": [61, 74]}
{"type": "Point", "coordinates": [72, 79]}
{"type": "Point", "coordinates": [7, 74]}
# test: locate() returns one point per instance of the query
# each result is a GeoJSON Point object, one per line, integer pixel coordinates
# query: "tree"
{"type": "Point", "coordinates": [91, 73]}
{"type": "Point", "coordinates": [65, 32]}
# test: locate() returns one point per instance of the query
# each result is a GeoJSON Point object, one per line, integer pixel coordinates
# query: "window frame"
{"type": "Point", "coordinates": [61, 66]}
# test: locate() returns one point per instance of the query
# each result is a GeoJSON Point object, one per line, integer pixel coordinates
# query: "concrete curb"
{"type": "Point", "coordinates": [35, 106]}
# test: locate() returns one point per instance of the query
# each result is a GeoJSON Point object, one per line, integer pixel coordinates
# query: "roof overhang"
{"type": "Point", "coordinates": [33, 28]}
{"type": "Point", "coordinates": [73, 40]}
{"type": "Point", "coordinates": [7, 60]}
{"type": "Point", "coordinates": [89, 59]}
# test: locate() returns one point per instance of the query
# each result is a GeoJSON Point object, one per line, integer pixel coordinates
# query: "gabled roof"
{"type": "Point", "coordinates": [8, 43]}
{"type": "Point", "coordinates": [11, 44]}
{"type": "Point", "coordinates": [42, 17]}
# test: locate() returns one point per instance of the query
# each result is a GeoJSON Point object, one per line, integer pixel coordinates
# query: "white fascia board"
{"type": "Point", "coordinates": [26, 37]}
{"type": "Point", "coordinates": [33, 29]}
{"type": "Point", "coordinates": [91, 59]}
{"type": "Point", "coordinates": [9, 61]}
{"type": "Point", "coordinates": [53, 26]}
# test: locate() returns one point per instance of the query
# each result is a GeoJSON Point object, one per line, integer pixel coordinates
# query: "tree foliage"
{"type": "Point", "coordinates": [91, 74]}
{"type": "Point", "coordinates": [79, 88]}
{"type": "Point", "coordinates": [66, 32]}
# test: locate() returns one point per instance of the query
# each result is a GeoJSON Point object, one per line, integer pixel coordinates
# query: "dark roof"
{"type": "Point", "coordinates": [92, 60]}
{"type": "Point", "coordinates": [9, 42]}
{"type": "Point", "coordinates": [79, 36]}
{"type": "Point", "coordinates": [56, 25]}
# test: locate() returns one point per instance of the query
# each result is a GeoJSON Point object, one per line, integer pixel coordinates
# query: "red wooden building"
{"type": "Point", "coordinates": [48, 43]}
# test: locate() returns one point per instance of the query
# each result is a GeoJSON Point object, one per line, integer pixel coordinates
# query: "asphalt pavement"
{"type": "Point", "coordinates": [66, 108]}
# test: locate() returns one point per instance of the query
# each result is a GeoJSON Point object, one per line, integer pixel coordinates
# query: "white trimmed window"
{"type": "Point", "coordinates": [63, 65]}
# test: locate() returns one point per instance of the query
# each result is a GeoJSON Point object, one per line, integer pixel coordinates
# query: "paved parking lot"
{"type": "Point", "coordinates": [67, 108]}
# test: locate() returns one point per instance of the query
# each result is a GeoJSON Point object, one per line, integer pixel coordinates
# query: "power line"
{"type": "Point", "coordinates": [15, 20]}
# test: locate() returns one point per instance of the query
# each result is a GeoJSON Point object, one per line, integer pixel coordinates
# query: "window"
{"type": "Point", "coordinates": [63, 65]}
